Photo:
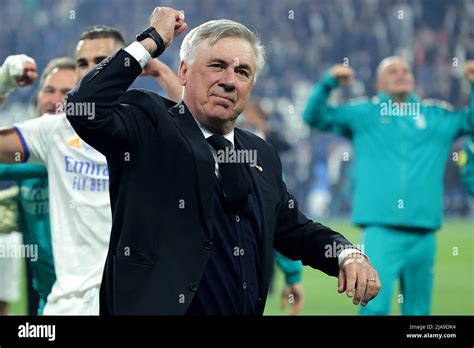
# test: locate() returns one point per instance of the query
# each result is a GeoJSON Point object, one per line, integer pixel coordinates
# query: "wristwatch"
{"type": "Point", "coordinates": [153, 34]}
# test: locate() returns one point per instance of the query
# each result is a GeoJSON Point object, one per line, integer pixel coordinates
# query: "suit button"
{"type": "Point", "coordinates": [209, 245]}
{"type": "Point", "coordinates": [237, 218]}
{"type": "Point", "coordinates": [193, 286]}
{"type": "Point", "coordinates": [244, 285]}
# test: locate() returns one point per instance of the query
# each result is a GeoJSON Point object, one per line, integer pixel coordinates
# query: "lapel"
{"type": "Point", "coordinates": [203, 160]}
{"type": "Point", "coordinates": [262, 191]}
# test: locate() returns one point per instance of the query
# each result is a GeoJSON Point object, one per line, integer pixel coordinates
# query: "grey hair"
{"type": "Point", "coordinates": [389, 60]}
{"type": "Point", "coordinates": [218, 29]}
{"type": "Point", "coordinates": [60, 63]}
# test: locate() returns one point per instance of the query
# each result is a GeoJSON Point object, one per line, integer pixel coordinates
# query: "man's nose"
{"type": "Point", "coordinates": [227, 80]}
{"type": "Point", "coordinates": [57, 98]}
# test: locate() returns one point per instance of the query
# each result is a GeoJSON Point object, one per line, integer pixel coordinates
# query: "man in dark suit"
{"type": "Point", "coordinates": [197, 204]}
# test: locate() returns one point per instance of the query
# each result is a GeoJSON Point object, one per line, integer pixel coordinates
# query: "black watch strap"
{"type": "Point", "coordinates": [153, 34]}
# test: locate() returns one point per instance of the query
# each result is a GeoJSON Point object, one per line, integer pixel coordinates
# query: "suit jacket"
{"type": "Point", "coordinates": [161, 187]}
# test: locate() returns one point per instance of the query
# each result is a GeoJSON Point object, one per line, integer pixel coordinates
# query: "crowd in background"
{"type": "Point", "coordinates": [303, 38]}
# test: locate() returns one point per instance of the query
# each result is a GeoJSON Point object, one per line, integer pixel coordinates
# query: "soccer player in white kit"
{"type": "Point", "coordinates": [16, 71]}
{"type": "Point", "coordinates": [78, 188]}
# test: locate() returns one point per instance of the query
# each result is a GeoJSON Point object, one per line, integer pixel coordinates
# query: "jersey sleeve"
{"type": "Point", "coordinates": [34, 136]}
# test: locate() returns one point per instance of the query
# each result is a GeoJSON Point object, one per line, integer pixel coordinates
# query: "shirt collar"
{"type": "Point", "coordinates": [229, 136]}
{"type": "Point", "coordinates": [384, 97]}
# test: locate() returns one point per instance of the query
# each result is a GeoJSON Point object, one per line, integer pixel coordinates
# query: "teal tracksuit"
{"type": "Point", "coordinates": [467, 167]}
{"type": "Point", "coordinates": [400, 158]}
{"type": "Point", "coordinates": [33, 213]}
{"type": "Point", "coordinates": [292, 270]}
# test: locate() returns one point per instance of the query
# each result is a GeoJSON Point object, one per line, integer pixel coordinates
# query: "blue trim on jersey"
{"type": "Point", "coordinates": [23, 143]}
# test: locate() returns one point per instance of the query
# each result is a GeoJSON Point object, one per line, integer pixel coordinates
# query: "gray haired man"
{"type": "Point", "coordinates": [193, 232]}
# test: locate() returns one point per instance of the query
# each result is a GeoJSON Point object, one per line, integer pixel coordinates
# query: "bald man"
{"type": "Point", "coordinates": [402, 145]}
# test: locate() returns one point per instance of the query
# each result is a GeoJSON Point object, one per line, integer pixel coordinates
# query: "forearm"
{"type": "Point", "coordinates": [10, 147]}
{"type": "Point", "coordinates": [170, 83]}
{"type": "Point", "coordinates": [291, 269]}
{"type": "Point", "coordinates": [467, 170]}
{"type": "Point", "coordinates": [317, 105]}
{"type": "Point", "coordinates": [464, 119]}
{"type": "Point", "coordinates": [100, 91]}
{"type": "Point", "coordinates": [299, 238]}
{"type": "Point", "coordinates": [471, 111]}
{"type": "Point", "coordinates": [103, 87]}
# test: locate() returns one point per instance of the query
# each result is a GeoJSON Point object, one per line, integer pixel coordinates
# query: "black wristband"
{"type": "Point", "coordinates": [153, 34]}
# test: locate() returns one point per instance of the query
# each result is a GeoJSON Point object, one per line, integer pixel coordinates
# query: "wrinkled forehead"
{"type": "Point", "coordinates": [59, 78]}
{"type": "Point", "coordinates": [231, 49]}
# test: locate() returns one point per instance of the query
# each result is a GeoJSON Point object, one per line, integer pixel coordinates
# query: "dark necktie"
{"type": "Point", "coordinates": [235, 187]}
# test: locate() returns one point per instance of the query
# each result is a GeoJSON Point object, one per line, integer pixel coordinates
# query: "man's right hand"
{"type": "Point", "coordinates": [344, 75]}
{"type": "Point", "coordinates": [17, 71]}
{"type": "Point", "coordinates": [168, 22]}
{"type": "Point", "coordinates": [29, 74]}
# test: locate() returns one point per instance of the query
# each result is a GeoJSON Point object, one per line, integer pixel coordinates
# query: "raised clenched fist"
{"type": "Point", "coordinates": [343, 74]}
{"type": "Point", "coordinates": [168, 22]}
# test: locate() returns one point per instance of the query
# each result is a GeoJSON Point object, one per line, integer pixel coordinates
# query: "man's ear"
{"type": "Point", "coordinates": [378, 85]}
{"type": "Point", "coordinates": [183, 69]}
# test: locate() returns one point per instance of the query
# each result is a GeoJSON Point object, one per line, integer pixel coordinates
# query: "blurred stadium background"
{"type": "Point", "coordinates": [303, 39]}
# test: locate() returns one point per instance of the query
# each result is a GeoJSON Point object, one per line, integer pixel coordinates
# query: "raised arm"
{"type": "Point", "coordinates": [467, 168]}
{"type": "Point", "coordinates": [110, 126]}
{"type": "Point", "coordinates": [11, 146]}
{"type": "Point", "coordinates": [17, 71]}
{"type": "Point", "coordinates": [465, 117]}
{"type": "Point", "coordinates": [323, 116]}
{"type": "Point", "coordinates": [167, 79]}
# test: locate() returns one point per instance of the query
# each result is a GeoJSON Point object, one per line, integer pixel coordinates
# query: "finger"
{"type": "Point", "coordinates": [351, 278]}
{"type": "Point", "coordinates": [29, 66]}
{"type": "Point", "coordinates": [341, 284]}
{"type": "Point", "coordinates": [178, 14]}
{"type": "Point", "coordinates": [296, 308]}
{"type": "Point", "coordinates": [32, 75]}
{"type": "Point", "coordinates": [180, 29]}
{"type": "Point", "coordinates": [361, 285]}
{"type": "Point", "coordinates": [180, 20]}
{"type": "Point", "coordinates": [22, 81]}
{"type": "Point", "coordinates": [378, 284]}
{"type": "Point", "coordinates": [369, 292]}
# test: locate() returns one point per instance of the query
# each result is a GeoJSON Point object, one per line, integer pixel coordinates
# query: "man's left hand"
{"type": "Point", "coordinates": [292, 294]}
{"type": "Point", "coordinates": [358, 279]}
